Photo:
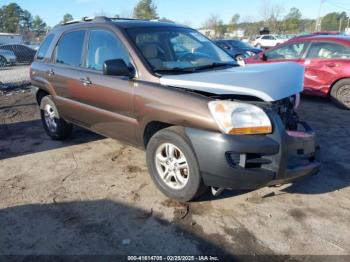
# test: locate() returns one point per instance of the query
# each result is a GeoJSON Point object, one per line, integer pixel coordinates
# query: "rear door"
{"type": "Point", "coordinates": [109, 99]}
{"type": "Point", "coordinates": [325, 62]}
{"type": "Point", "coordinates": [64, 74]}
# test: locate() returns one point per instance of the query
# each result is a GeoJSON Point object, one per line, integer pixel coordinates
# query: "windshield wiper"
{"type": "Point", "coordinates": [214, 65]}
{"type": "Point", "coordinates": [175, 69]}
{"type": "Point", "coordinates": [192, 69]}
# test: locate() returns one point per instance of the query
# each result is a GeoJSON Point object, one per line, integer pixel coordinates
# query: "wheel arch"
{"type": "Point", "coordinates": [152, 128]}
{"type": "Point", "coordinates": [40, 94]}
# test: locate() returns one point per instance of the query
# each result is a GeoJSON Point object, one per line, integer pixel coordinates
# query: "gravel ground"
{"type": "Point", "coordinates": [93, 195]}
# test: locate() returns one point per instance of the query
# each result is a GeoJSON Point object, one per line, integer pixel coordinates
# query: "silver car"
{"type": "Point", "coordinates": [7, 57]}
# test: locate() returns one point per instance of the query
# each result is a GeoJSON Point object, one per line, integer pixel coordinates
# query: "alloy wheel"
{"type": "Point", "coordinates": [172, 166]}
{"type": "Point", "coordinates": [50, 118]}
{"type": "Point", "coordinates": [344, 95]}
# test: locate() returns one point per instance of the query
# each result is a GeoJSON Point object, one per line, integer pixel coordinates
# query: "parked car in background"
{"type": "Point", "coordinates": [327, 64]}
{"type": "Point", "coordinates": [7, 58]}
{"type": "Point", "coordinates": [24, 54]}
{"type": "Point", "coordinates": [237, 49]}
{"type": "Point", "coordinates": [203, 120]}
{"type": "Point", "coordinates": [34, 46]}
{"type": "Point", "coordinates": [268, 41]}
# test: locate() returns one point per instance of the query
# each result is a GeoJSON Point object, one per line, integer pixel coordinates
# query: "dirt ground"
{"type": "Point", "coordinates": [93, 195]}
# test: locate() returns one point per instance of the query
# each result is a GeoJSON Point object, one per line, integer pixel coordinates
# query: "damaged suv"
{"type": "Point", "coordinates": [203, 120]}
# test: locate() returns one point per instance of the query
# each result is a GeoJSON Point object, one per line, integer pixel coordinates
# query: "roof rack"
{"type": "Point", "coordinates": [101, 19]}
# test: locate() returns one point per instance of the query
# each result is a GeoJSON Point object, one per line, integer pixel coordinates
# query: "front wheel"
{"type": "Point", "coordinates": [340, 93]}
{"type": "Point", "coordinates": [173, 165]}
{"type": "Point", "coordinates": [240, 60]}
{"type": "Point", "coordinates": [3, 61]}
{"type": "Point", "coordinates": [55, 126]}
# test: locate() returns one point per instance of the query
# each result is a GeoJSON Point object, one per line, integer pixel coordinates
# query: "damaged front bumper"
{"type": "Point", "coordinates": [253, 161]}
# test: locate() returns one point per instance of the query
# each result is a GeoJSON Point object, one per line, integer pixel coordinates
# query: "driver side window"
{"type": "Point", "coordinates": [291, 51]}
{"type": "Point", "coordinates": [104, 46]}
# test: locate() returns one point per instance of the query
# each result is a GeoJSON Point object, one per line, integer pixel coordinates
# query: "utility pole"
{"type": "Point", "coordinates": [318, 21]}
{"type": "Point", "coordinates": [340, 22]}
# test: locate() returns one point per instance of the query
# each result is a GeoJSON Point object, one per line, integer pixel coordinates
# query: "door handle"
{"type": "Point", "coordinates": [50, 72]}
{"type": "Point", "coordinates": [85, 81]}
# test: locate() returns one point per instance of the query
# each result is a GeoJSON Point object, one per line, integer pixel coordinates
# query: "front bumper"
{"type": "Point", "coordinates": [253, 161]}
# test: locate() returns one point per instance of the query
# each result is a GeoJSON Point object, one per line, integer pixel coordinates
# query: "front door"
{"type": "Point", "coordinates": [287, 53]}
{"type": "Point", "coordinates": [108, 98]}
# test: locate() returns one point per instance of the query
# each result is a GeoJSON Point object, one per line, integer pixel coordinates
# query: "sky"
{"type": "Point", "coordinates": [190, 12]}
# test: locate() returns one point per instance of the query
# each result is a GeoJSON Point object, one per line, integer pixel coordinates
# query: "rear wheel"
{"type": "Point", "coordinates": [55, 126]}
{"type": "Point", "coordinates": [173, 165]}
{"type": "Point", "coordinates": [340, 93]}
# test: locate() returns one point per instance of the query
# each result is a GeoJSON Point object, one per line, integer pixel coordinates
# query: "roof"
{"type": "Point", "coordinates": [322, 37]}
{"type": "Point", "coordinates": [121, 22]}
{"type": "Point", "coordinates": [144, 23]}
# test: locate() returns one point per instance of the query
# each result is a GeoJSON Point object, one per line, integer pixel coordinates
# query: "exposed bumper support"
{"type": "Point", "coordinates": [253, 161]}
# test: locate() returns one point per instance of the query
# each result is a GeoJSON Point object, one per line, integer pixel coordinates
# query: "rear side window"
{"type": "Point", "coordinates": [70, 48]}
{"type": "Point", "coordinates": [42, 52]}
{"type": "Point", "coordinates": [328, 50]}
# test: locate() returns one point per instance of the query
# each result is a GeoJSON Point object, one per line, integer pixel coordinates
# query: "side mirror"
{"type": "Point", "coordinates": [117, 67]}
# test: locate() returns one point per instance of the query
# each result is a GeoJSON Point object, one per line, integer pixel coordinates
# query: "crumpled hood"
{"type": "Point", "coordinates": [269, 82]}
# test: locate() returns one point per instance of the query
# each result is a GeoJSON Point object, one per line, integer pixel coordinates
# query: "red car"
{"type": "Point", "coordinates": [327, 64]}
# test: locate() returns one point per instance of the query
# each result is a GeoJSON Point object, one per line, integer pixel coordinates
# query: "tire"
{"type": "Point", "coordinates": [55, 126]}
{"type": "Point", "coordinates": [239, 57]}
{"type": "Point", "coordinates": [3, 62]}
{"type": "Point", "coordinates": [258, 46]}
{"type": "Point", "coordinates": [183, 184]}
{"type": "Point", "coordinates": [240, 60]}
{"type": "Point", "coordinates": [340, 93]}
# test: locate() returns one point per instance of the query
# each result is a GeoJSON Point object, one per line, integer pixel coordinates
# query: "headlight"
{"type": "Point", "coordinates": [239, 118]}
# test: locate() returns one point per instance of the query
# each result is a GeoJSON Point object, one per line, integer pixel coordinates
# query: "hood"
{"type": "Point", "coordinates": [269, 82]}
{"type": "Point", "coordinates": [256, 50]}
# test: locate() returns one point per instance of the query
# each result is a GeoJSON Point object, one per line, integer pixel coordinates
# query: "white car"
{"type": "Point", "coordinates": [267, 41]}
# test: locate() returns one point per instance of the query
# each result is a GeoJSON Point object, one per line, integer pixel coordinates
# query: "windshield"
{"type": "Point", "coordinates": [176, 49]}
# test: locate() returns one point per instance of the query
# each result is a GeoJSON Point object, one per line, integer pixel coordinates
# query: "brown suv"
{"type": "Point", "coordinates": [203, 120]}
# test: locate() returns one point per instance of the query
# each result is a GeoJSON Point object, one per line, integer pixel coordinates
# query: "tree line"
{"type": "Point", "coordinates": [14, 19]}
